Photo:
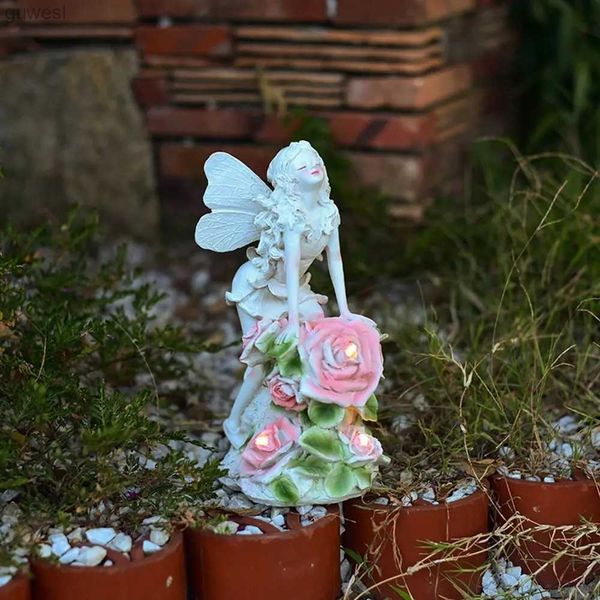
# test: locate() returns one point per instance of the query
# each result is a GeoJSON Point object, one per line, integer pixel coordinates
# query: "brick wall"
{"type": "Point", "coordinates": [404, 84]}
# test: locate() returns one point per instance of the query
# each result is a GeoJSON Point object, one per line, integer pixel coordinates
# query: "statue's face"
{"type": "Point", "coordinates": [308, 169]}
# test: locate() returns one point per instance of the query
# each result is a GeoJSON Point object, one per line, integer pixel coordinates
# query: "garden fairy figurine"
{"type": "Point", "coordinates": [291, 394]}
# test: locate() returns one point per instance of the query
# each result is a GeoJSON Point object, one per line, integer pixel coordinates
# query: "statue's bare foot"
{"type": "Point", "coordinates": [234, 432]}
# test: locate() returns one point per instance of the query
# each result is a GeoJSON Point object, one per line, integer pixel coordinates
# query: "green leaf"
{"type": "Point", "coordinates": [363, 477]}
{"type": "Point", "coordinates": [401, 593]}
{"type": "Point", "coordinates": [323, 443]}
{"type": "Point", "coordinates": [369, 411]}
{"type": "Point", "coordinates": [354, 556]}
{"type": "Point", "coordinates": [325, 415]}
{"type": "Point", "coordinates": [311, 466]}
{"type": "Point", "coordinates": [340, 482]}
{"type": "Point", "coordinates": [290, 363]}
{"type": "Point", "coordinates": [285, 490]}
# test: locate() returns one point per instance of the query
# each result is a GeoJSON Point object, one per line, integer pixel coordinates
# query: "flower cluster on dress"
{"type": "Point", "coordinates": [322, 389]}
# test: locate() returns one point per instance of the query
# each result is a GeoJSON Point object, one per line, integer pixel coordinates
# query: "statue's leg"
{"type": "Point", "coordinates": [253, 378]}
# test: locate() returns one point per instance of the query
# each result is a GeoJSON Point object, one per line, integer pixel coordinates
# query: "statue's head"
{"type": "Point", "coordinates": [298, 168]}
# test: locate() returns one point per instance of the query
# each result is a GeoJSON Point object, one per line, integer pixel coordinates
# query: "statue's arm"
{"type": "Point", "coordinates": [291, 245]}
{"type": "Point", "coordinates": [336, 272]}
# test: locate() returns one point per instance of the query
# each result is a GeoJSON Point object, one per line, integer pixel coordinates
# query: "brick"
{"type": "Point", "coordinates": [184, 40]}
{"type": "Point", "coordinates": [216, 124]}
{"type": "Point", "coordinates": [182, 161]}
{"type": "Point", "coordinates": [399, 12]}
{"type": "Point", "coordinates": [252, 10]}
{"type": "Point", "coordinates": [77, 11]}
{"type": "Point", "coordinates": [366, 37]}
{"type": "Point", "coordinates": [150, 90]}
{"type": "Point", "coordinates": [408, 93]}
{"type": "Point", "coordinates": [90, 32]}
{"type": "Point", "coordinates": [362, 130]}
{"type": "Point", "coordinates": [396, 175]}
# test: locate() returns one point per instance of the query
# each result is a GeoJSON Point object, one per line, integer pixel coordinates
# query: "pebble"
{"type": "Point", "coordinates": [44, 551]}
{"type": "Point", "coordinates": [101, 536]}
{"type": "Point", "coordinates": [4, 579]}
{"type": "Point", "coordinates": [76, 535]}
{"type": "Point", "coordinates": [69, 556]}
{"type": "Point", "coordinates": [60, 543]}
{"type": "Point", "coordinates": [303, 510]}
{"type": "Point", "coordinates": [90, 557]}
{"type": "Point", "coordinates": [249, 530]}
{"type": "Point", "coordinates": [159, 537]}
{"type": "Point", "coordinates": [382, 500]}
{"type": "Point", "coordinates": [108, 563]}
{"type": "Point", "coordinates": [503, 580]}
{"type": "Point", "coordinates": [121, 542]}
{"type": "Point", "coordinates": [549, 479]}
{"type": "Point", "coordinates": [150, 547]}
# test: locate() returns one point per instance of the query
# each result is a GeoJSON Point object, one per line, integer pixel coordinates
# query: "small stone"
{"type": "Point", "coordinates": [150, 547]}
{"type": "Point", "coordinates": [566, 450]}
{"type": "Point", "coordinates": [121, 542]}
{"type": "Point", "coordinates": [428, 495]}
{"type": "Point", "coordinates": [90, 557]}
{"type": "Point", "coordinates": [152, 520]}
{"type": "Point", "coordinates": [159, 537]}
{"type": "Point", "coordinates": [278, 521]}
{"type": "Point", "coordinates": [549, 479]}
{"type": "Point", "coordinates": [490, 587]}
{"type": "Point", "coordinates": [595, 438]}
{"type": "Point", "coordinates": [249, 530]}
{"type": "Point", "coordinates": [303, 510]}
{"type": "Point", "coordinates": [515, 475]}
{"type": "Point", "coordinates": [44, 551]}
{"type": "Point", "coordinates": [508, 580]}
{"type": "Point", "coordinates": [69, 556]}
{"type": "Point", "coordinates": [60, 543]}
{"type": "Point", "coordinates": [199, 281]}
{"type": "Point", "coordinates": [239, 502]}
{"type": "Point", "coordinates": [318, 512]}
{"type": "Point", "coordinates": [568, 424]}
{"type": "Point", "coordinates": [4, 579]}
{"type": "Point", "coordinates": [383, 501]}
{"type": "Point", "coordinates": [101, 535]}
{"type": "Point", "coordinates": [76, 535]}
{"type": "Point", "coordinates": [108, 563]}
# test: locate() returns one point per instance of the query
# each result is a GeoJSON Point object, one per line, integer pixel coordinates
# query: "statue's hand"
{"type": "Point", "coordinates": [291, 333]}
{"type": "Point", "coordinates": [349, 316]}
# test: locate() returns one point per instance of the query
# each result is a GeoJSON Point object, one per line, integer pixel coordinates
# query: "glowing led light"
{"type": "Point", "coordinates": [262, 440]}
{"type": "Point", "coordinates": [363, 440]}
{"type": "Point", "coordinates": [352, 351]}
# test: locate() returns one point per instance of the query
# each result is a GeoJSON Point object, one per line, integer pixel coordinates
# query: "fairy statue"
{"type": "Point", "coordinates": [297, 426]}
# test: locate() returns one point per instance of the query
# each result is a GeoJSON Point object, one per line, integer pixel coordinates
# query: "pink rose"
{"type": "Point", "coordinates": [267, 446]}
{"type": "Point", "coordinates": [363, 446]}
{"type": "Point", "coordinates": [258, 338]}
{"type": "Point", "coordinates": [284, 393]}
{"type": "Point", "coordinates": [342, 361]}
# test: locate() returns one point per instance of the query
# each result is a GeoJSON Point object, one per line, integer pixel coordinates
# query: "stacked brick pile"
{"type": "Point", "coordinates": [404, 84]}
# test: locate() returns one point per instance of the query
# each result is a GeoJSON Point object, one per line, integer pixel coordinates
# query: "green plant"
{"type": "Point", "coordinates": [78, 438]}
{"type": "Point", "coordinates": [559, 66]}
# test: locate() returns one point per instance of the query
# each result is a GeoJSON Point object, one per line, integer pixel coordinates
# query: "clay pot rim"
{"type": "Point", "coordinates": [445, 506]}
{"type": "Point", "coordinates": [333, 513]}
{"type": "Point", "coordinates": [170, 548]}
{"type": "Point", "coordinates": [561, 483]}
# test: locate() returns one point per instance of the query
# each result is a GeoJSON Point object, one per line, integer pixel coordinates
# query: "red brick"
{"type": "Point", "coordinates": [398, 12]}
{"type": "Point", "coordinates": [396, 175]}
{"type": "Point", "coordinates": [198, 122]}
{"type": "Point", "coordinates": [150, 90]}
{"type": "Point", "coordinates": [408, 93]}
{"type": "Point", "coordinates": [180, 161]}
{"type": "Point", "coordinates": [77, 11]}
{"type": "Point", "coordinates": [252, 10]}
{"type": "Point", "coordinates": [184, 40]}
{"type": "Point", "coordinates": [382, 131]}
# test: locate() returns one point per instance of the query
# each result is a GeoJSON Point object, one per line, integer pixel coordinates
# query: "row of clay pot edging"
{"type": "Point", "coordinates": [303, 563]}
{"type": "Point", "coordinates": [389, 538]}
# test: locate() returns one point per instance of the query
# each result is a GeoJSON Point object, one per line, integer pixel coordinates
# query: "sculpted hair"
{"type": "Point", "coordinates": [284, 208]}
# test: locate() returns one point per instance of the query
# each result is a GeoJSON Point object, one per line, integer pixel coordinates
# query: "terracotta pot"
{"type": "Point", "coordinates": [391, 539]}
{"type": "Point", "coordinates": [561, 503]}
{"type": "Point", "coordinates": [300, 564]}
{"type": "Point", "coordinates": [160, 576]}
{"type": "Point", "coordinates": [19, 588]}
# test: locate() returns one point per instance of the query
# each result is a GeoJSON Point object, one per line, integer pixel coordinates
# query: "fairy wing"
{"type": "Point", "coordinates": [231, 192]}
